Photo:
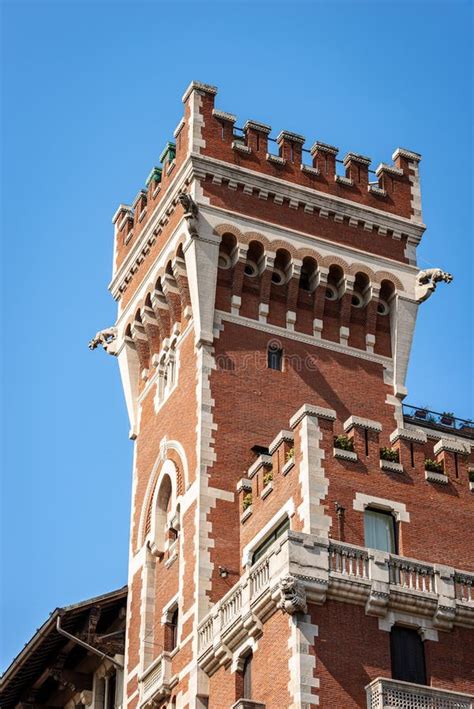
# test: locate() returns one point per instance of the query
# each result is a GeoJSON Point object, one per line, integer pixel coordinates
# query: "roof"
{"type": "Point", "coordinates": [45, 644]}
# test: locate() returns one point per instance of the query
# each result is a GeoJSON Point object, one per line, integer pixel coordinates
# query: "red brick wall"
{"type": "Point", "coordinates": [351, 651]}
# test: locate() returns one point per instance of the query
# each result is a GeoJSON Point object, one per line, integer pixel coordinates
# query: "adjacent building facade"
{"type": "Point", "coordinates": [298, 538]}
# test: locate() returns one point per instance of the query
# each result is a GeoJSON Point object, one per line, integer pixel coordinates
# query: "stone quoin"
{"type": "Point", "coordinates": [291, 545]}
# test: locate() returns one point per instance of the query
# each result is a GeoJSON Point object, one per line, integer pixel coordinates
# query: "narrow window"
{"type": "Point", "coordinates": [247, 675]}
{"type": "Point", "coordinates": [408, 655]}
{"type": "Point", "coordinates": [275, 357]}
{"type": "Point", "coordinates": [380, 530]}
{"type": "Point", "coordinates": [268, 541]}
{"type": "Point", "coordinates": [109, 702]}
{"type": "Point", "coordinates": [173, 625]}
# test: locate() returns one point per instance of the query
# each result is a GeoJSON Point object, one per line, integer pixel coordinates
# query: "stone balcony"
{"type": "Point", "coordinates": [393, 694]}
{"type": "Point", "coordinates": [439, 595]}
{"type": "Point", "coordinates": [155, 682]}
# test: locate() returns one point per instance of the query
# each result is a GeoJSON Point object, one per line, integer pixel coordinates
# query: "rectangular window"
{"type": "Point", "coordinates": [275, 358]}
{"type": "Point", "coordinates": [268, 541]}
{"type": "Point", "coordinates": [380, 530]}
{"type": "Point", "coordinates": [408, 655]}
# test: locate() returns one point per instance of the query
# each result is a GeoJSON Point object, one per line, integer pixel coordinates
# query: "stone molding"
{"type": "Point", "coordinates": [449, 445]}
{"type": "Point", "coordinates": [310, 410]}
{"type": "Point", "coordinates": [324, 568]}
{"type": "Point", "coordinates": [408, 434]}
{"type": "Point", "coordinates": [357, 421]}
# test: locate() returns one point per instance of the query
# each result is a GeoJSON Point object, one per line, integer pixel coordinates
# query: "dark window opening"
{"type": "Point", "coordinates": [110, 692]}
{"type": "Point", "coordinates": [380, 530]}
{"type": "Point", "coordinates": [268, 541]}
{"type": "Point", "coordinates": [408, 655]}
{"type": "Point", "coordinates": [304, 280]}
{"type": "Point", "coordinates": [275, 358]}
{"type": "Point", "coordinates": [173, 628]}
{"type": "Point", "coordinates": [247, 677]}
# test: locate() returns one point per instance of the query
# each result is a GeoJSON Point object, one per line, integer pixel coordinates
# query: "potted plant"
{"type": "Point", "coordinates": [433, 466]}
{"type": "Point", "coordinates": [447, 418]}
{"type": "Point", "coordinates": [344, 443]}
{"type": "Point", "coordinates": [267, 478]}
{"type": "Point", "coordinates": [390, 454]}
{"type": "Point", "coordinates": [422, 412]}
{"type": "Point", "coordinates": [247, 501]}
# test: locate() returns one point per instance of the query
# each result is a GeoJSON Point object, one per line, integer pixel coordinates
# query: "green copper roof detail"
{"type": "Point", "coordinates": [169, 153]}
{"type": "Point", "coordinates": [155, 175]}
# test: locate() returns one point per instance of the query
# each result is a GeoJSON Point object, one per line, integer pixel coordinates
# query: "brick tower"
{"type": "Point", "coordinates": [298, 539]}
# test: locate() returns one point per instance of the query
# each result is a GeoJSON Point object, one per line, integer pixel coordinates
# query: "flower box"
{"type": "Point", "coordinates": [390, 466]}
{"type": "Point", "coordinates": [344, 454]}
{"type": "Point", "coordinates": [288, 466]}
{"type": "Point", "coordinates": [433, 477]}
{"type": "Point", "coordinates": [266, 490]}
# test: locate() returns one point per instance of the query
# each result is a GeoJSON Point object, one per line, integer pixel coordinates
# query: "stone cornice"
{"type": "Point", "coordinates": [197, 166]}
{"type": "Point", "coordinates": [308, 196]}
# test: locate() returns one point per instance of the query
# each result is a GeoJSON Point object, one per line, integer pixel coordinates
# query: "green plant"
{"type": "Point", "coordinates": [390, 454]}
{"type": "Point", "coordinates": [433, 466]}
{"type": "Point", "coordinates": [267, 478]}
{"type": "Point", "coordinates": [344, 443]}
{"type": "Point", "coordinates": [247, 501]}
{"type": "Point", "coordinates": [448, 414]}
{"type": "Point", "coordinates": [290, 454]}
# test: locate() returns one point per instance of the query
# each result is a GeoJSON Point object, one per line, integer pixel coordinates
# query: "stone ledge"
{"type": "Point", "coordinates": [276, 159]}
{"type": "Point", "coordinates": [279, 438]}
{"type": "Point", "coordinates": [309, 410]}
{"type": "Point", "coordinates": [345, 455]}
{"type": "Point", "coordinates": [288, 466]}
{"type": "Point", "coordinates": [262, 460]}
{"type": "Point", "coordinates": [266, 490]}
{"type": "Point", "coordinates": [408, 434]}
{"type": "Point", "coordinates": [247, 704]}
{"type": "Point", "coordinates": [391, 466]}
{"type": "Point", "coordinates": [450, 446]}
{"type": "Point", "coordinates": [362, 423]}
{"type": "Point", "coordinates": [246, 514]}
{"type": "Point", "coordinates": [433, 477]}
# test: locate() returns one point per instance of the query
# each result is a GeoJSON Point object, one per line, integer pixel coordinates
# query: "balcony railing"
{"type": "Point", "coordinates": [394, 694]}
{"type": "Point", "coordinates": [155, 680]}
{"type": "Point", "coordinates": [338, 570]}
{"type": "Point", "coordinates": [433, 419]}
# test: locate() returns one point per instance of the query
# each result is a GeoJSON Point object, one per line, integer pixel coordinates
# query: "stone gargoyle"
{"type": "Point", "coordinates": [426, 282]}
{"type": "Point", "coordinates": [292, 595]}
{"type": "Point", "coordinates": [107, 339]}
{"type": "Point", "coordinates": [190, 212]}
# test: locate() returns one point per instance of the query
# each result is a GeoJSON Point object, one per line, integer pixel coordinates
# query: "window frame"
{"type": "Point", "coordinates": [388, 514]}
{"type": "Point", "coordinates": [275, 352]}
{"type": "Point", "coordinates": [267, 542]}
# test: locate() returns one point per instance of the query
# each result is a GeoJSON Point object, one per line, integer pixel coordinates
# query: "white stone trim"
{"type": "Point", "coordinates": [450, 446]}
{"type": "Point", "coordinates": [421, 623]}
{"type": "Point", "coordinates": [310, 410]}
{"type": "Point", "coordinates": [433, 477]}
{"type": "Point", "coordinates": [288, 510]}
{"type": "Point", "coordinates": [391, 466]}
{"type": "Point", "coordinates": [408, 434]}
{"type": "Point", "coordinates": [302, 662]}
{"type": "Point", "coordinates": [353, 421]}
{"type": "Point", "coordinates": [361, 502]}
{"type": "Point", "coordinates": [344, 454]}
{"type": "Point", "coordinates": [282, 436]}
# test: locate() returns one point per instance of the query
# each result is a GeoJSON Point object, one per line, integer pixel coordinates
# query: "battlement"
{"type": "Point", "coordinates": [211, 137]}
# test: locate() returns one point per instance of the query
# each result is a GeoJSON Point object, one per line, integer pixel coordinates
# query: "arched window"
{"type": "Point", "coordinates": [174, 630]}
{"type": "Point", "coordinates": [163, 508]}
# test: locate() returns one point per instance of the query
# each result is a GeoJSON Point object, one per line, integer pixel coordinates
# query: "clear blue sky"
{"type": "Point", "coordinates": [91, 92]}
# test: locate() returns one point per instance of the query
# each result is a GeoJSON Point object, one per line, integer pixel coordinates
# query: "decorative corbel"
{"type": "Point", "coordinates": [107, 338]}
